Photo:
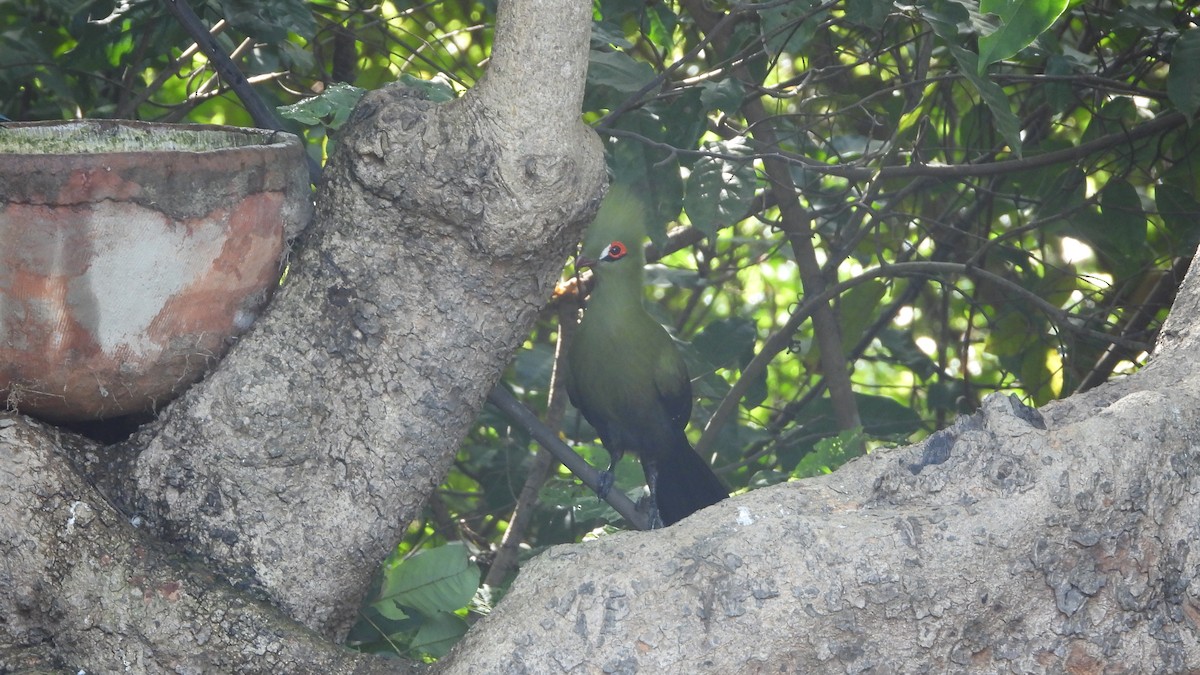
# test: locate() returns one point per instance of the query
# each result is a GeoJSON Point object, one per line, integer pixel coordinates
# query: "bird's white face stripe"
{"type": "Point", "coordinates": [614, 251]}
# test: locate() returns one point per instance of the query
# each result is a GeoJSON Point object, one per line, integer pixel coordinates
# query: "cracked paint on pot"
{"type": "Point", "coordinates": [126, 272]}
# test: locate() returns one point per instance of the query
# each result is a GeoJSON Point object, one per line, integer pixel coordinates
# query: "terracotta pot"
{"type": "Point", "coordinates": [132, 254]}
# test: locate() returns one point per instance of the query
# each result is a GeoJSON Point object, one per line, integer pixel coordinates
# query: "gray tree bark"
{"type": "Point", "coordinates": [83, 590]}
{"type": "Point", "coordinates": [439, 231]}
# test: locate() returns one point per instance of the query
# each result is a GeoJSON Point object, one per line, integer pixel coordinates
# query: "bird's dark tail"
{"type": "Point", "coordinates": [685, 484]}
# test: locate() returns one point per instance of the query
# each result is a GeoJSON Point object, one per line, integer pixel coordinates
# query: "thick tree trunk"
{"type": "Point", "coordinates": [439, 231]}
{"type": "Point", "coordinates": [300, 462]}
{"type": "Point", "coordinates": [83, 590]}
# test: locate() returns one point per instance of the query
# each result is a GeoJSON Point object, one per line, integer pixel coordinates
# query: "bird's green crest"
{"type": "Point", "coordinates": [622, 217]}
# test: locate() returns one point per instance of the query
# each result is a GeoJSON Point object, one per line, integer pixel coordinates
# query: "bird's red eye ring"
{"type": "Point", "coordinates": [616, 251]}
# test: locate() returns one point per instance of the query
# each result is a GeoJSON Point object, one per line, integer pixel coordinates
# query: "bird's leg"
{"type": "Point", "coordinates": [652, 515]}
{"type": "Point", "coordinates": [605, 484]}
{"type": "Point", "coordinates": [608, 476]}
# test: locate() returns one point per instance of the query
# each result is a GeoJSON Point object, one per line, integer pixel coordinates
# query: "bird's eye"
{"type": "Point", "coordinates": [616, 251]}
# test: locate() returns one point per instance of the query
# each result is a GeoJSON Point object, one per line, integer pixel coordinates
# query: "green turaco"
{"type": "Point", "coordinates": [625, 374]}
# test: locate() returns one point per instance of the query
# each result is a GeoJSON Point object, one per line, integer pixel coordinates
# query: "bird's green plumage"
{"type": "Point", "coordinates": [624, 371]}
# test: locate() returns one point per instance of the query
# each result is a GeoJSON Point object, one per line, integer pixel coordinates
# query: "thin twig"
{"type": "Point", "coordinates": [262, 114]}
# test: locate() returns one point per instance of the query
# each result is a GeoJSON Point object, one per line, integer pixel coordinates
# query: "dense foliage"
{"type": "Point", "coordinates": [870, 213]}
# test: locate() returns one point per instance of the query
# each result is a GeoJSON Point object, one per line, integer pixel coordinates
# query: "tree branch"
{"type": "Point", "coordinates": [1159, 125]}
{"type": "Point", "coordinates": [548, 439]}
{"type": "Point", "coordinates": [109, 594]}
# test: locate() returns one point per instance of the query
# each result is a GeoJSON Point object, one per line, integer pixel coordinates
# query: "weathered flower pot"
{"type": "Point", "coordinates": [132, 254]}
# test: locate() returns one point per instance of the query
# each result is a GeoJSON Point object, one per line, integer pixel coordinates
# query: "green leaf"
{"type": "Point", "coordinates": [976, 133]}
{"type": "Point", "coordinates": [606, 35]}
{"type": "Point", "coordinates": [1036, 377]}
{"type": "Point", "coordinates": [1177, 196]}
{"type": "Point", "coordinates": [830, 453]}
{"type": "Point", "coordinates": [662, 22]}
{"type": "Point", "coordinates": [884, 417]}
{"type": "Point", "coordinates": [902, 347]}
{"type": "Point", "coordinates": [684, 120]}
{"type": "Point", "coordinates": [944, 17]}
{"type": "Point", "coordinates": [1185, 168]}
{"type": "Point", "coordinates": [719, 190]}
{"type": "Point", "coordinates": [437, 635]}
{"type": "Point", "coordinates": [1010, 335]}
{"type": "Point", "coordinates": [1183, 86]}
{"type": "Point", "coordinates": [1123, 219]}
{"type": "Point", "coordinates": [1180, 212]}
{"type": "Point", "coordinates": [787, 27]}
{"type": "Point", "coordinates": [438, 92]}
{"type": "Point", "coordinates": [1056, 284]}
{"type": "Point", "coordinates": [746, 38]}
{"type": "Point", "coordinates": [1114, 117]}
{"type": "Point", "coordinates": [1118, 230]}
{"type": "Point", "coordinates": [584, 506]}
{"type": "Point", "coordinates": [707, 385]}
{"type": "Point", "coordinates": [617, 10]}
{"type": "Point", "coordinates": [1143, 16]}
{"type": "Point", "coordinates": [918, 112]}
{"type": "Point", "coordinates": [725, 95]}
{"type": "Point", "coordinates": [661, 276]}
{"type": "Point", "coordinates": [858, 309]}
{"type": "Point", "coordinates": [331, 107]}
{"type": "Point", "coordinates": [948, 395]}
{"type": "Point", "coordinates": [296, 57]}
{"type": "Point", "coordinates": [435, 580]}
{"type": "Point", "coordinates": [993, 97]}
{"type": "Point", "coordinates": [766, 478]}
{"type": "Point", "coordinates": [618, 73]}
{"type": "Point", "coordinates": [1021, 22]}
{"type": "Point", "coordinates": [271, 20]}
{"type": "Point", "coordinates": [532, 367]}
{"type": "Point", "coordinates": [390, 610]}
{"type": "Point", "coordinates": [1061, 194]}
{"type": "Point", "coordinates": [756, 393]}
{"type": "Point", "coordinates": [724, 341]}
{"type": "Point", "coordinates": [1059, 95]}
{"type": "Point", "coordinates": [869, 13]}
